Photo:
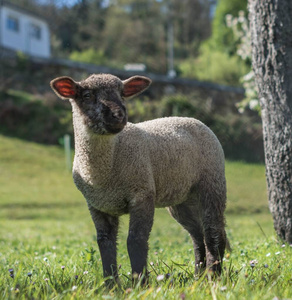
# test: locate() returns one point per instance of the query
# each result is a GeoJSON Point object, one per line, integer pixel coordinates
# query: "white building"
{"type": "Point", "coordinates": [23, 31]}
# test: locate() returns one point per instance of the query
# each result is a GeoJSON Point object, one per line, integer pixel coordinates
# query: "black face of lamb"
{"type": "Point", "coordinates": [104, 112]}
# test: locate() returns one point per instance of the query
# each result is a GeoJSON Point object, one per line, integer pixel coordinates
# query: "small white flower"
{"type": "Point", "coordinates": [241, 111]}
{"type": "Point", "coordinates": [253, 103]}
{"type": "Point", "coordinates": [283, 246]}
{"type": "Point", "coordinates": [277, 253]}
{"type": "Point", "coordinates": [223, 288]}
{"type": "Point", "coordinates": [253, 263]}
{"type": "Point", "coordinates": [46, 259]}
{"type": "Point", "coordinates": [241, 19]}
{"type": "Point", "coordinates": [268, 254]}
{"type": "Point", "coordinates": [85, 272]}
{"type": "Point", "coordinates": [241, 13]}
{"type": "Point", "coordinates": [74, 288]}
{"type": "Point", "coordinates": [249, 76]}
{"type": "Point", "coordinates": [160, 277]}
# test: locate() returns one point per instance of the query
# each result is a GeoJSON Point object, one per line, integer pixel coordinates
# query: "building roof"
{"type": "Point", "coordinates": [23, 10]}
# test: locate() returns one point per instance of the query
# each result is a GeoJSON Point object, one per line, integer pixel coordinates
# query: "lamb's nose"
{"type": "Point", "coordinates": [119, 115]}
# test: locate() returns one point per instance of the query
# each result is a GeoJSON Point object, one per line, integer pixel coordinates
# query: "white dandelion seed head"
{"type": "Point", "coordinates": [160, 277]}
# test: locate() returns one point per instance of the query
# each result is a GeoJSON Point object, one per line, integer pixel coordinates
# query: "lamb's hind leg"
{"type": "Point", "coordinates": [213, 197]}
{"type": "Point", "coordinates": [188, 215]}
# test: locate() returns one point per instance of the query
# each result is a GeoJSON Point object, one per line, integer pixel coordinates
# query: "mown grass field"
{"type": "Point", "coordinates": [48, 248]}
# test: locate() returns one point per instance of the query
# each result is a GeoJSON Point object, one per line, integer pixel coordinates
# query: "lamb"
{"type": "Point", "coordinates": [121, 168]}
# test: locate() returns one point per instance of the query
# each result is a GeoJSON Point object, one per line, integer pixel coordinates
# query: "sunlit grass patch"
{"type": "Point", "coordinates": [246, 188]}
{"type": "Point", "coordinates": [250, 272]}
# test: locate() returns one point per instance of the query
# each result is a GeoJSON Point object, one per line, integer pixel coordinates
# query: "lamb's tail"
{"type": "Point", "coordinates": [228, 246]}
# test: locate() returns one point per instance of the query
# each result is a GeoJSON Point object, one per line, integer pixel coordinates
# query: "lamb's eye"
{"type": "Point", "coordinates": [86, 96]}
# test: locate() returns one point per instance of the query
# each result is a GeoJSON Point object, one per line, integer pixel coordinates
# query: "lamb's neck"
{"type": "Point", "coordinates": [93, 153]}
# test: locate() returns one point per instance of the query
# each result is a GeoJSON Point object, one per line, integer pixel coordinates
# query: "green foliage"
{"type": "Point", "coordinates": [214, 66]}
{"type": "Point", "coordinates": [43, 118]}
{"type": "Point", "coordinates": [222, 38]}
{"type": "Point", "coordinates": [140, 110]}
{"type": "Point", "coordinates": [241, 30]}
{"type": "Point", "coordinates": [90, 55]}
{"type": "Point", "coordinates": [49, 249]}
{"type": "Point", "coordinates": [124, 31]}
{"type": "Point", "coordinates": [47, 119]}
{"type": "Point", "coordinates": [179, 105]}
{"type": "Point", "coordinates": [22, 61]}
{"type": "Point", "coordinates": [134, 32]}
{"type": "Point", "coordinates": [217, 60]}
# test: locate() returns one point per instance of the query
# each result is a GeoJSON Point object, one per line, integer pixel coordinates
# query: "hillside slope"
{"type": "Point", "coordinates": [33, 177]}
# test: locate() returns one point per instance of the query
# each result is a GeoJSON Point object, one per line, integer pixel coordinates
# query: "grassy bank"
{"type": "Point", "coordinates": [48, 238]}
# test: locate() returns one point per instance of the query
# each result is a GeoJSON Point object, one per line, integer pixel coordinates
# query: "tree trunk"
{"type": "Point", "coordinates": [271, 33]}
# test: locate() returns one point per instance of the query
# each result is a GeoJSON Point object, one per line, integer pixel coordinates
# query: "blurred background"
{"type": "Point", "coordinates": [195, 51]}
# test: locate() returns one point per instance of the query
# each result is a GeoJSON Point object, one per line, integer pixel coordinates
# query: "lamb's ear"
{"type": "Point", "coordinates": [135, 85]}
{"type": "Point", "coordinates": [64, 87]}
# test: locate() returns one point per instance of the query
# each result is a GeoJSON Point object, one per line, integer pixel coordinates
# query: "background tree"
{"type": "Point", "coordinates": [217, 60]}
{"type": "Point", "coordinates": [271, 31]}
{"type": "Point", "coordinates": [134, 33]}
{"type": "Point", "coordinates": [190, 34]}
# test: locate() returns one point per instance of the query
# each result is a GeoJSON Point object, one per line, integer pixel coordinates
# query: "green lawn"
{"type": "Point", "coordinates": [44, 225]}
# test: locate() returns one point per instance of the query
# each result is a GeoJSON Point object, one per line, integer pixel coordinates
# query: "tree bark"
{"type": "Point", "coordinates": [271, 32]}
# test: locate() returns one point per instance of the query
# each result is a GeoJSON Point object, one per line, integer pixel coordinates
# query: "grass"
{"type": "Point", "coordinates": [48, 239]}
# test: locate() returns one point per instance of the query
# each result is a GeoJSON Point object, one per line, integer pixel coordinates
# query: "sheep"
{"type": "Point", "coordinates": [124, 168]}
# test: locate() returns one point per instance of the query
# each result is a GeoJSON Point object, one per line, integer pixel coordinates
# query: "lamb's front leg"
{"type": "Point", "coordinates": [141, 221]}
{"type": "Point", "coordinates": [107, 231]}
